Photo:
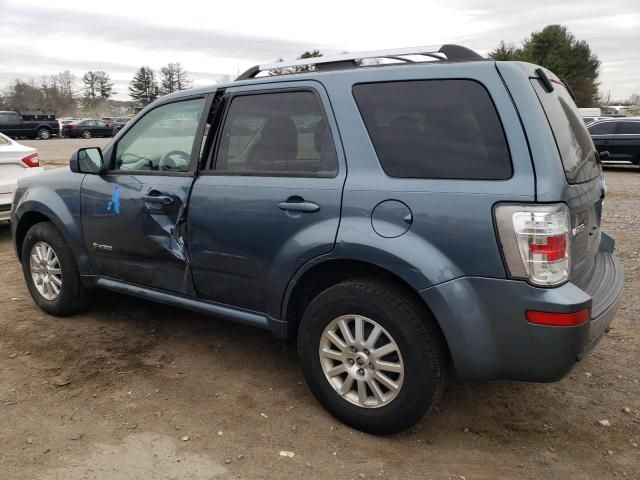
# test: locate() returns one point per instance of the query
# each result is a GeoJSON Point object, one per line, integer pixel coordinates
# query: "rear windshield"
{"type": "Point", "coordinates": [435, 129]}
{"type": "Point", "coordinates": [572, 137]}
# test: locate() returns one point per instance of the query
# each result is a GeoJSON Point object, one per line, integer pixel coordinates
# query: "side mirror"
{"type": "Point", "coordinates": [87, 160]}
{"type": "Point", "coordinates": [603, 155]}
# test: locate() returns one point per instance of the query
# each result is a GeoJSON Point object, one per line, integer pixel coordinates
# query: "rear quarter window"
{"type": "Point", "coordinates": [571, 135]}
{"type": "Point", "coordinates": [446, 129]}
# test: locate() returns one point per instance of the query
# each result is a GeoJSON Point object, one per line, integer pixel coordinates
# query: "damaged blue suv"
{"type": "Point", "coordinates": [431, 211]}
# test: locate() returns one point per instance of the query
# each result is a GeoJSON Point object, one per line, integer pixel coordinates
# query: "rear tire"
{"type": "Point", "coordinates": [86, 134]}
{"type": "Point", "coordinates": [44, 134]}
{"type": "Point", "coordinates": [408, 331]}
{"type": "Point", "coordinates": [71, 296]}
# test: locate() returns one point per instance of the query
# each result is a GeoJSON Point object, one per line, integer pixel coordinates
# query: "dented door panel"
{"type": "Point", "coordinates": [133, 228]}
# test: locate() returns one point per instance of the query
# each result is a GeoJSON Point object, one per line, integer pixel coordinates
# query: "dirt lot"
{"type": "Point", "coordinates": [134, 390]}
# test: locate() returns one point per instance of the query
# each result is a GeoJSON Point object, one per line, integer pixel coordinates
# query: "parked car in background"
{"type": "Point", "coordinates": [87, 128]}
{"type": "Point", "coordinates": [590, 112]}
{"type": "Point", "coordinates": [466, 231]}
{"type": "Point", "coordinates": [618, 136]}
{"type": "Point", "coordinates": [119, 122]}
{"type": "Point", "coordinates": [16, 161]}
{"type": "Point", "coordinates": [13, 125]}
{"type": "Point", "coordinates": [590, 120]}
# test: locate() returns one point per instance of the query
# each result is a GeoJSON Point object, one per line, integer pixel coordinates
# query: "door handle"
{"type": "Point", "coordinates": [158, 199]}
{"type": "Point", "coordinates": [295, 205]}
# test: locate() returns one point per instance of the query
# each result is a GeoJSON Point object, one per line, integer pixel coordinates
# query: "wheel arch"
{"type": "Point", "coordinates": [320, 276]}
{"type": "Point", "coordinates": [27, 220]}
{"type": "Point", "coordinates": [33, 212]}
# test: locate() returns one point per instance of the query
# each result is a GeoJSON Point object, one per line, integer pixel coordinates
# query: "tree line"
{"type": "Point", "coordinates": [553, 47]}
{"type": "Point", "coordinates": [63, 95]}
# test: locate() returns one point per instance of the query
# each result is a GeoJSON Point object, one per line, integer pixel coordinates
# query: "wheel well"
{"type": "Point", "coordinates": [28, 220]}
{"type": "Point", "coordinates": [322, 276]}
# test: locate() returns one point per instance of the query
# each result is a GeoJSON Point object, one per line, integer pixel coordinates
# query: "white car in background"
{"type": "Point", "coordinates": [16, 161]}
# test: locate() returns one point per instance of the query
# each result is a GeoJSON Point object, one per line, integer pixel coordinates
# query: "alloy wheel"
{"type": "Point", "coordinates": [46, 273]}
{"type": "Point", "coordinates": [361, 361]}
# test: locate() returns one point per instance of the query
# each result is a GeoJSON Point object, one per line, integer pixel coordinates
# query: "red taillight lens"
{"type": "Point", "coordinates": [31, 160]}
{"type": "Point", "coordinates": [72, 126]}
{"type": "Point", "coordinates": [535, 241]}
{"type": "Point", "coordinates": [554, 248]}
{"type": "Point", "coordinates": [558, 319]}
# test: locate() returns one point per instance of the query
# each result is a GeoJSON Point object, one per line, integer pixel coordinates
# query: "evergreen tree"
{"type": "Point", "coordinates": [505, 51]}
{"type": "Point", "coordinates": [555, 48]}
{"type": "Point", "coordinates": [173, 78]}
{"type": "Point", "coordinates": [299, 69]}
{"type": "Point", "coordinates": [143, 88]}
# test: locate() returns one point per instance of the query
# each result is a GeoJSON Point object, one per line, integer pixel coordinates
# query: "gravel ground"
{"type": "Point", "coordinates": [134, 390]}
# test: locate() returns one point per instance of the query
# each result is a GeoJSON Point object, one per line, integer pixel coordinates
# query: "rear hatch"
{"type": "Point", "coordinates": [583, 173]}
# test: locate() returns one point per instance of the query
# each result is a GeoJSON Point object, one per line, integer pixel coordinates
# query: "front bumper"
{"type": "Point", "coordinates": [483, 321]}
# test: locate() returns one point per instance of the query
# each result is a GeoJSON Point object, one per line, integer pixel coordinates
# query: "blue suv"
{"type": "Point", "coordinates": [429, 212]}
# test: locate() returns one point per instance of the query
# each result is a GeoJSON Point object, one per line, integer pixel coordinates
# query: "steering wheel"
{"type": "Point", "coordinates": [175, 161]}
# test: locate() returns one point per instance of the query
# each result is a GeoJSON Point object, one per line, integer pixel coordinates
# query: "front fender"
{"type": "Point", "coordinates": [61, 205]}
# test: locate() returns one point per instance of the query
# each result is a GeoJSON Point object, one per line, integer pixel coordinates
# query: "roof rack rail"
{"type": "Point", "coordinates": [447, 52]}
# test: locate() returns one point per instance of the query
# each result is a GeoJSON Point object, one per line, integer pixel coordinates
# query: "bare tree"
{"type": "Point", "coordinates": [226, 78]}
{"type": "Point", "coordinates": [174, 78]}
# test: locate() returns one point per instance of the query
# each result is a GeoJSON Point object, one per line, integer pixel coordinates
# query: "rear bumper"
{"type": "Point", "coordinates": [489, 338]}
{"type": "Point", "coordinates": [5, 206]}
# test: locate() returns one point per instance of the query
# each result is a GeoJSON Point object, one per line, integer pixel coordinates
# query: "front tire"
{"type": "Point", "coordinates": [50, 271]}
{"type": "Point", "coordinates": [372, 355]}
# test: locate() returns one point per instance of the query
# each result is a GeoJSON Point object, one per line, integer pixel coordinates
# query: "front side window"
{"type": "Point", "coordinates": [162, 140]}
{"type": "Point", "coordinates": [604, 128]}
{"type": "Point", "coordinates": [434, 129]}
{"type": "Point", "coordinates": [4, 141]}
{"type": "Point", "coordinates": [277, 134]}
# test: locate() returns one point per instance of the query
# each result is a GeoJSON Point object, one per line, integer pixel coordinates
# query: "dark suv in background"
{"type": "Point", "coordinates": [620, 137]}
{"type": "Point", "coordinates": [396, 220]}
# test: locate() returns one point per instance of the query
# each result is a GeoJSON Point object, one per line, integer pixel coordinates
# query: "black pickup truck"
{"type": "Point", "coordinates": [16, 126]}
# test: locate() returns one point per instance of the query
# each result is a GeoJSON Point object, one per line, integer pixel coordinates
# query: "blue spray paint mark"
{"type": "Point", "coordinates": [114, 204]}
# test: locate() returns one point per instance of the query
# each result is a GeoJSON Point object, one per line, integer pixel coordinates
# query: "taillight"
{"type": "Point", "coordinates": [535, 242]}
{"type": "Point", "coordinates": [31, 160]}
{"type": "Point", "coordinates": [72, 126]}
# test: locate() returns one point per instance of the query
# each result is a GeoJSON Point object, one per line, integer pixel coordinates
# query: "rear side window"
{"type": "Point", "coordinates": [435, 129]}
{"type": "Point", "coordinates": [604, 128]}
{"type": "Point", "coordinates": [277, 134]}
{"type": "Point", "coordinates": [574, 143]}
{"type": "Point", "coordinates": [628, 128]}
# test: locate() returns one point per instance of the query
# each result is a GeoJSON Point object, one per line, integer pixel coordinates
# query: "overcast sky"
{"type": "Point", "coordinates": [212, 39]}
